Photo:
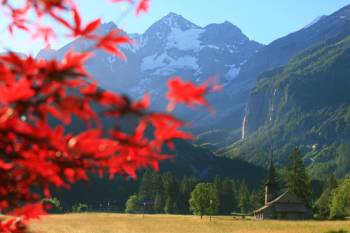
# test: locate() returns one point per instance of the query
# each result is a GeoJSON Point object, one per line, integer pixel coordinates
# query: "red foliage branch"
{"type": "Point", "coordinates": [36, 153]}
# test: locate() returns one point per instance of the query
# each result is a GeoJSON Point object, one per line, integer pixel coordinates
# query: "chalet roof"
{"type": "Point", "coordinates": [278, 198]}
{"type": "Point", "coordinates": [291, 207]}
{"type": "Point", "coordinates": [291, 198]}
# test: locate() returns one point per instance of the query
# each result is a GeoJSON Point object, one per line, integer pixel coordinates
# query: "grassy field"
{"type": "Point", "coordinates": [123, 223]}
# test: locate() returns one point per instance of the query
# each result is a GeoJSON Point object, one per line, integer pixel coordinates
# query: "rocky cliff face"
{"type": "Point", "coordinates": [279, 53]}
{"type": "Point", "coordinates": [305, 104]}
{"type": "Point", "coordinates": [261, 106]}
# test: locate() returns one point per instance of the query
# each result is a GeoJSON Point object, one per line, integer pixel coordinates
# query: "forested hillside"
{"type": "Point", "coordinates": [305, 104]}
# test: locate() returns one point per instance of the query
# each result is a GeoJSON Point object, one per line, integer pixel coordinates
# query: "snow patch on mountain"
{"type": "Point", "coordinates": [209, 46]}
{"type": "Point", "coordinates": [153, 62]}
{"type": "Point", "coordinates": [232, 48]}
{"type": "Point", "coordinates": [243, 62]}
{"type": "Point", "coordinates": [233, 72]}
{"type": "Point", "coordinates": [164, 64]}
{"type": "Point", "coordinates": [184, 40]}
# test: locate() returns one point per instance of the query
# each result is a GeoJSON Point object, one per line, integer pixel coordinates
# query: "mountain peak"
{"type": "Point", "coordinates": [106, 27]}
{"type": "Point", "coordinates": [174, 20]}
{"type": "Point", "coordinates": [227, 30]}
{"type": "Point", "coordinates": [168, 23]}
{"type": "Point", "coordinates": [225, 24]}
{"type": "Point", "coordinates": [228, 23]}
{"type": "Point", "coordinates": [172, 15]}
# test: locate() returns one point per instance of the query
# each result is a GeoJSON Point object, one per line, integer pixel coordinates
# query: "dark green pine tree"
{"type": "Point", "coordinates": [296, 178]}
{"type": "Point", "coordinates": [147, 187]}
{"type": "Point", "coordinates": [235, 188]}
{"type": "Point", "coordinates": [218, 187]}
{"type": "Point", "coordinates": [176, 205]}
{"type": "Point", "coordinates": [272, 177]}
{"type": "Point", "coordinates": [255, 200]}
{"type": "Point", "coordinates": [259, 198]}
{"type": "Point", "coordinates": [159, 203]}
{"type": "Point", "coordinates": [170, 184]}
{"type": "Point", "coordinates": [228, 201]}
{"type": "Point", "coordinates": [171, 191]}
{"type": "Point", "coordinates": [187, 184]}
{"type": "Point", "coordinates": [271, 184]}
{"type": "Point", "coordinates": [169, 205]}
{"type": "Point", "coordinates": [217, 183]}
{"type": "Point", "coordinates": [158, 184]}
{"type": "Point", "coordinates": [243, 198]}
{"type": "Point", "coordinates": [159, 199]}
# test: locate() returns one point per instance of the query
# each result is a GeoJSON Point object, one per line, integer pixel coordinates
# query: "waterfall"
{"type": "Point", "coordinates": [243, 126]}
{"type": "Point", "coordinates": [272, 107]}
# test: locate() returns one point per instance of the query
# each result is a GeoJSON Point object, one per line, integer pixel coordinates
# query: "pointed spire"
{"type": "Point", "coordinates": [271, 175]}
{"type": "Point", "coordinates": [271, 184]}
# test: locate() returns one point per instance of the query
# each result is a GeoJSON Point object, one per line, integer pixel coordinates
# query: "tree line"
{"type": "Point", "coordinates": [165, 193]}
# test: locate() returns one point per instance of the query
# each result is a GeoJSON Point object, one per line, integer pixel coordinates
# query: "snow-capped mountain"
{"type": "Point", "coordinates": [176, 46]}
{"type": "Point", "coordinates": [171, 46]}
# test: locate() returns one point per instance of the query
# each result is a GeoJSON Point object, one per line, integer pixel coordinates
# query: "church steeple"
{"type": "Point", "coordinates": [271, 184]}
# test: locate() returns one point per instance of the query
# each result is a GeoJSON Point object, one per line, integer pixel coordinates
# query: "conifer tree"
{"type": "Point", "coordinates": [243, 198]}
{"type": "Point", "coordinates": [147, 187]}
{"type": "Point", "coordinates": [270, 183]}
{"type": "Point", "coordinates": [176, 204]}
{"type": "Point", "coordinates": [228, 200]}
{"type": "Point", "coordinates": [296, 178]}
{"type": "Point", "coordinates": [158, 203]}
{"type": "Point", "coordinates": [272, 177]}
{"type": "Point", "coordinates": [255, 200]}
{"type": "Point", "coordinates": [235, 188]}
{"type": "Point", "coordinates": [169, 205]}
{"type": "Point", "coordinates": [187, 185]}
{"type": "Point", "coordinates": [158, 184]}
{"type": "Point", "coordinates": [217, 183]}
{"type": "Point", "coordinates": [171, 186]}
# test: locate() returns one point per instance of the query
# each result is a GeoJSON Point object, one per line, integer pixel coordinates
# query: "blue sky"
{"type": "Point", "coordinates": [261, 20]}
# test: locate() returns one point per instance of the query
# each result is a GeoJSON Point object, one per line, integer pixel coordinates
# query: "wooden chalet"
{"type": "Point", "coordinates": [285, 206]}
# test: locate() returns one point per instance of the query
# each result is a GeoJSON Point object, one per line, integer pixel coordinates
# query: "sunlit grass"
{"type": "Point", "coordinates": [123, 223]}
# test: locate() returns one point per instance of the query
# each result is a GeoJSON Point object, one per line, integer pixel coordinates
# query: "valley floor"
{"type": "Point", "coordinates": [124, 223]}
